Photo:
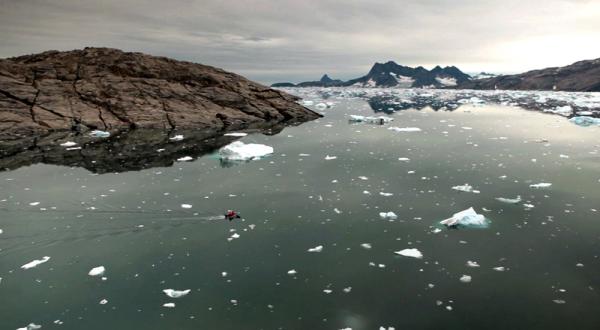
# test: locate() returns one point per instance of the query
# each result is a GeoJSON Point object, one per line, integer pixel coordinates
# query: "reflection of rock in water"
{"type": "Point", "coordinates": [132, 150]}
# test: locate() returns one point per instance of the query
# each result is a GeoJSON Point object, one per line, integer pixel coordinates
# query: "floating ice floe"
{"type": "Point", "coordinates": [405, 129]}
{"type": "Point", "coordinates": [413, 253]}
{"type": "Point", "coordinates": [472, 264]}
{"type": "Point", "coordinates": [99, 134]}
{"type": "Point", "coordinates": [97, 271]}
{"type": "Point", "coordinates": [176, 138]}
{"type": "Point", "coordinates": [185, 159]}
{"type": "Point", "coordinates": [31, 326]}
{"type": "Point", "coordinates": [466, 188]}
{"type": "Point", "coordinates": [509, 200]}
{"type": "Point", "coordinates": [540, 185]}
{"type": "Point", "coordinates": [316, 249]}
{"type": "Point", "coordinates": [35, 263]}
{"type": "Point", "coordinates": [68, 144]}
{"type": "Point", "coordinates": [237, 134]}
{"type": "Point", "coordinates": [176, 293]}
{"type": "Point", "coordinates": [240, 151]}
{"type": "Point", "coordinates": [466, 218]}
{"type": "Point", "coordinates": [465, 279]}
{"type": "Point", "coordinates": [371, 120]}
{"type": "Point", "coordinates": [388, 215]}
{"type": "Point", "coordinates": [585, 121]}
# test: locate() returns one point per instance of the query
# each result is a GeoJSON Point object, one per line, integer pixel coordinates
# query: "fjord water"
{"type": "Point", "coordinates": [133, 224]}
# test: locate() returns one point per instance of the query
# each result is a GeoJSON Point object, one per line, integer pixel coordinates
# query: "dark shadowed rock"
{"type": "Point", "coordinates": [108, 89]}
{"type": "Point", "coordinates": [582, 76]}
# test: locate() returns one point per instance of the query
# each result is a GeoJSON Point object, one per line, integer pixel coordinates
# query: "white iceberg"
{"type": "Point", "coordinates": [97, 271]}
{"type": "Point", "coordinates": [68, 144]}
{"type": "Point", "coordinates": [236, 134]}
{"type": "Point", "coordinates": [405, 129]}
{"type": "Point", "coordinates": [388, 215]}
{"type": "Point", "coordinates": [99, 134]}
{"type": "Point", "coordinates": [35, 263]}
{"type": "Point", "coordinates": [240, 151]}
{"type": "Point", "coordinates": [413, 253]}
{"type": "Point", "coordinates": [540, 185]}
{"type": "Point", "coordinates": [466, 188]}
{"type": "Point", "coordinates": [316, 249]}
{"type": "Point", "coordinates": [509, 200]}
{"type": "Point", "coordinates": [176, 293]}
{"type": "Point", "coordinates": [467, 218]}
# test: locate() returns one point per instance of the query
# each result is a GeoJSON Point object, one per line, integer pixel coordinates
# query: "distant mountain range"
{"type": "Point", "coordinates": [581, 76]}
{"type": "Point", "coordinates": [391, 74]}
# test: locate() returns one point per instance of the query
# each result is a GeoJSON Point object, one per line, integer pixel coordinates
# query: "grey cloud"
{"type": "Point", "coordinates": [297, 40]}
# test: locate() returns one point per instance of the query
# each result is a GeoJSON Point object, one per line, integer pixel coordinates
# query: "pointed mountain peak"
{"type": "Point", "coordinates": [325, 79]}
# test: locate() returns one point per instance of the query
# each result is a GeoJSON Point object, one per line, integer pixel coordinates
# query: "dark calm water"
{"type": "Point", "coordinates": [133, 224]}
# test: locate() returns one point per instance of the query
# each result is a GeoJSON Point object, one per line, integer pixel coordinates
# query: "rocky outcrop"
{"type": "Point", "coordinates": [391, 74]}
{"type": "Point", "coordinates": [582, 76]}
{"type": "Point", "coordinates": [108, 89]}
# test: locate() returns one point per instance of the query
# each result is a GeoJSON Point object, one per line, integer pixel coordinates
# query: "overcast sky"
{"type": "Point", "coordinates": [295, 40]}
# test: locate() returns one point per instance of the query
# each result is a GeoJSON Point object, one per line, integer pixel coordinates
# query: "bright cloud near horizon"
{"type": "Point", "coordinates": [297, 40]}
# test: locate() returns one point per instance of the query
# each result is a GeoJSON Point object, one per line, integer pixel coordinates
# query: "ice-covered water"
{"type": "Point", "coordinates": [312, 251]}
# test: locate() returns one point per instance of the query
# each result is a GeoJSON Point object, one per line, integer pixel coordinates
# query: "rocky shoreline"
{"type": "Point", "coordinates": [108, 89]}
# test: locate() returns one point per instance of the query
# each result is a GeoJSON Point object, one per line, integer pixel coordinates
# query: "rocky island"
{"type": "Point", "coordinates": [108, 89]}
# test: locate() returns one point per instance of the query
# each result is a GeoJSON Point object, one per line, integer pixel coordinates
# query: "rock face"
{"type": "Point", "coordinates": [108, 89]}
{"type": "Point", "coordinates": [391, 74]}
{"type": "Point", "coordinates": [583, 76]}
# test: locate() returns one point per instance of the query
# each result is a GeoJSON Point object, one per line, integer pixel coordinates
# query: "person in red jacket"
{"type": "Point", "coordinates": [230, 215]}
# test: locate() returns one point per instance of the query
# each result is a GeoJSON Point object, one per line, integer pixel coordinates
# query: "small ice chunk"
{"type": "Point", "coordinates": [176, 293]}
{"type": "Point", "coordinates": [316, 249]}
{"type": "Point", "coordinates": [240, 151]}
{"type": "Point", "coordinates": [68, 144]}
{"type": "Point", "coordinates": [176, 138]}
{"type": "Point", "coordinates": [499, 269]}
{"type": "Point", "coordinates": [330, 157]}
{"type": "Point", "coordinates": [34, 203]}
{"type": "Point", "coordinates": [467, 217]}
{"type": "Point", "coordinates": [97, 271]}
{"type": "Point", "coordinates": [237, 134]}
{"type": "Point", "coordinates": [585, 121]}
{"type": "Point", "coordinates": [413, 253]}
{"type": "Point", "coordinates": [366, 246]}
{"type": "Point", "coordinates": [509, 200]}
{"type": "Point", "coordinates": [385, 194]}
{"type": "Point", "coordinates": [465, 279]}
{"type": "Point", "coordinates": [99, 134]}
{"type": "Point", "coordinates": [327, 291]}
{"type": "Point", "coordinates": [103, 302]}
{"type": "Point", "coordinates": [388, 215]}
{"type": "Point", "coordinates": [35, 263]}
{"type": "Point", "coordinates": [31, 326]}
{"type": "Point", "coordinates": [185, 159]}
{"type": "Point", "coordinates": [559, 301]}
{"type": "Point", "coordinates": [169, 305]}
{"type": "Point", "coordinates": [186, 206]}
{"type": "Point", "coordinates": [472, 263]}
{"type": "Point", "coordinates": [405, 129]}
{"type": "Point", "coordinates": [292, 272]}
{"type": "Point", "coordinates": [347, 290]}
{"type": "Point", "coordinates": [404, 159]}
{"type": "Point", "coordinates": [372, 120]}
{"type": "Point", "coordinates": [466, 188]}
{"type": "Point", "coordinates": [540, 185]}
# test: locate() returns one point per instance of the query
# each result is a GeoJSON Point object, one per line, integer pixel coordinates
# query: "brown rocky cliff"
{"type": "Point", "coordinates": [108, 89]}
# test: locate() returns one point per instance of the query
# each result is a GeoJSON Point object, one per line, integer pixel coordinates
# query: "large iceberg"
{"type": "Point", "coordinates": [240, 151]}
{"type": "Point", "coordinates": [466, 218]}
